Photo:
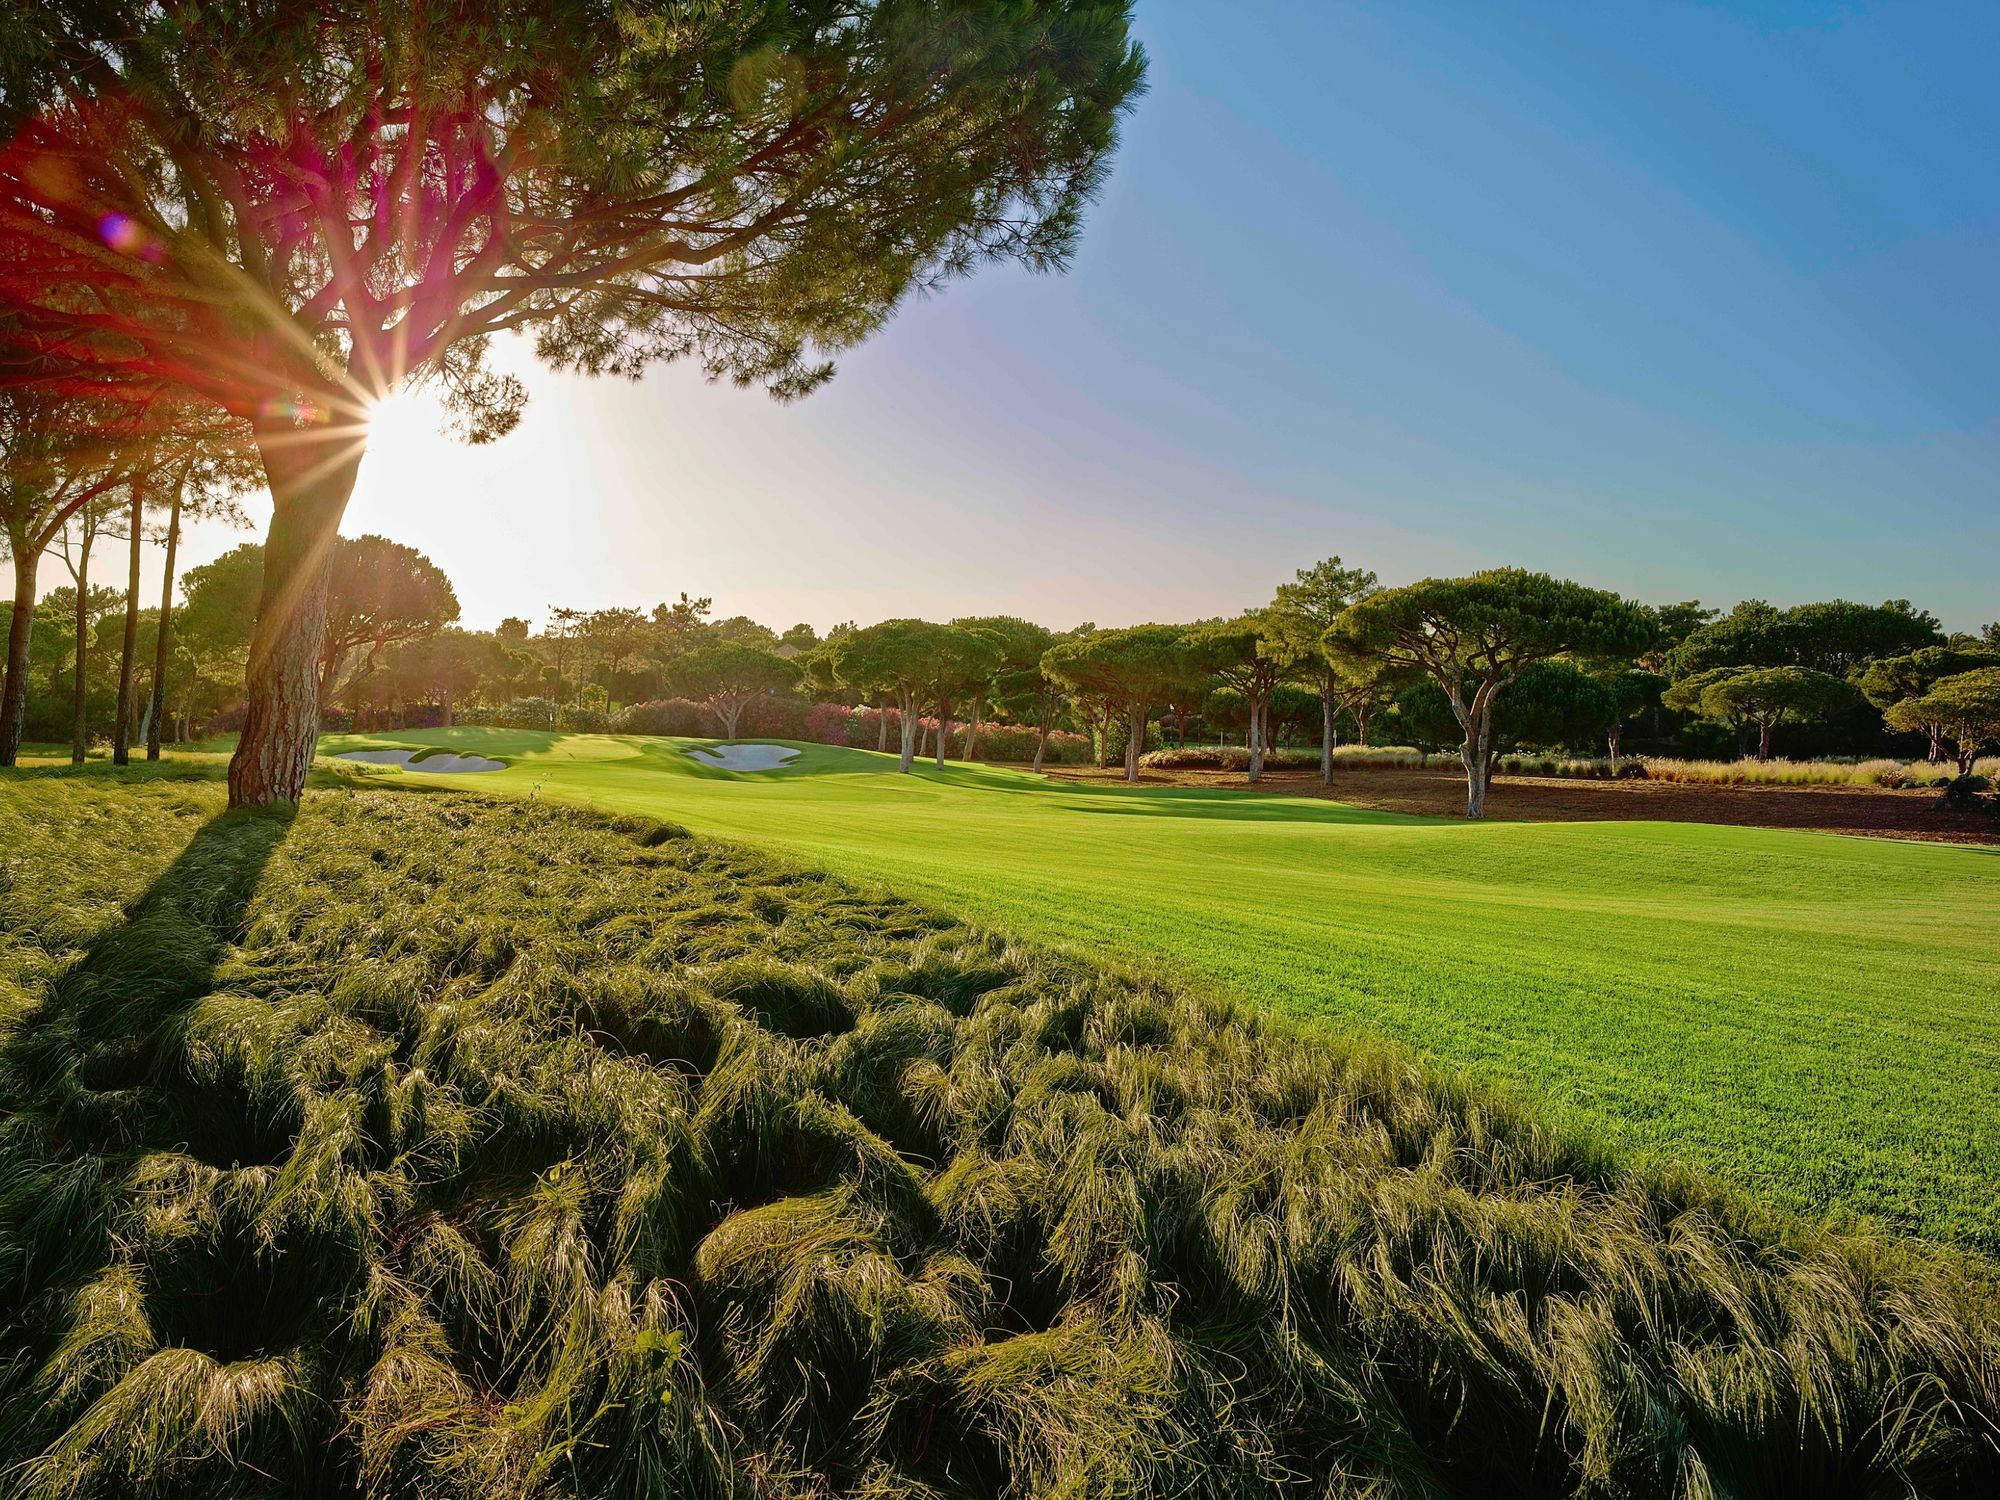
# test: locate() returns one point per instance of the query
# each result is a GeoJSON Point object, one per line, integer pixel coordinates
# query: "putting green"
{"type": "Point", "coordinates": [1815, 1015]}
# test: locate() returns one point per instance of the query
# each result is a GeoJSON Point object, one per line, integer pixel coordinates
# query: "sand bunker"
{"type": "Point", "coordinates": [747, 757]}
{"type": "Point", "coordinates": [437, 764]}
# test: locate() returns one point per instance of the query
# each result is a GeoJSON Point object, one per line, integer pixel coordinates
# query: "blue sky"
{"type": "Point", "coordinates": [1684, 300]}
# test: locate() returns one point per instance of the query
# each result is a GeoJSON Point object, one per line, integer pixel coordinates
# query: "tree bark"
{"type": "Point", "coordinates": [972, 727]}
{"type": "Point", "coordinates": [1764, 741]}
{"type": "Point", "coordinates": [121, 731]}
{"type": "Point", "coordinates": [907, 727]}
{"type": "Point", "coordinates": [1326, 737]}
{"type": "Point", "coordinates": [882, 728]}
{"type": "Point", "coordinates": [1478, 767]}
{"type": "Point", "coordinates": [731, 714]}
{"type": "Point", "coordinates": [944, 730]}
{"type": "Point", "coordinates": [1613, 738]}
{"type": "Point", "coordinates": [1936, 733]}
{"type": "Point", "coordinates": [311, 477]}
{"type": "Point", "coordinates": [1135, 736]}
{"type": "Point", "coordinates": [80, 685]}
{"type": "Point", "coordinates": [1256, 741]}
{"type": "Point", "coordinates": [20, 630]}
{"type": "Point", "coordinates": [1041, 743]}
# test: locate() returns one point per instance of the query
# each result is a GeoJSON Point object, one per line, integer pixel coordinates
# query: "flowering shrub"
{"type": "Point", "coordinates": [772, 718]}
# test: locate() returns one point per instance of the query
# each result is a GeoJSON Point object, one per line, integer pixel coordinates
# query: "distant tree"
{"type": "Point", "coordinates": [1629, 691]}
{"type": "Point", "coordinates": [321, 202]}
{"type": "Point", "coordinates": [743, 629]}
{"type": "Point", "coordinates": [51, 470]}
{"type": "Point", "coordinates": [1965, 707]}
{"type": "Point", "coordinates": [1833, 637]}
{"type": "Point", "coordinates": [1302, 614]}
{"type": "Point", "coordinates": [512, 631]}
{"type": "Point", "coordinates": [202, 485]}
{"type": "Point", "coordinates": [1363, 686]}
{"type": "Point", "coordinates": [1894, 679]}
{"type": "Point", "coordinates": [801, 638]}
{"type": "Point", "coordinates": [442, 667]}
{"type": "Point", "coordinates": [1251, 656]}
{"type": "Point", "coordinates": [728, 676]}
{"type": "Point", "coordinates": [1475, 637]}
{"type": "Point", "coordinates": [1552, 705]}
{"type": "Point", "coordinates": [894, 661]}
{"type": "Point", "coordinates": [1014, 677]}
{"type": "Point", "coordinates": [379, 594]}
{"type": "Point", "coordinates": [1672, 624]}
{"type": "Point", "coordinates": [610, 640]}
{"type": "Point", "coordinates": [962, 667]}
{"type": "Point", "coordinates": [74, 545]}
{"type": "Point", "coordinates": [1991, 635]}
{"type": "Point", "coordinates": [1137, 668]}
{"type": "Point", "coordinates": [679, 627]}
{"type": "Point", "coordinates": [1686, 696]}
{"type": "Point", "coordinates": [1769, 696]}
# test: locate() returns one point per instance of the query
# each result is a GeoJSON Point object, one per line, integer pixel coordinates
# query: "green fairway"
{"type": "Point", "coordinates": [1815, 1015]}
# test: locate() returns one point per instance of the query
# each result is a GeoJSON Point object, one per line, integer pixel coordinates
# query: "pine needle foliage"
{"type": "Point", "coordinates": [422, 1146]}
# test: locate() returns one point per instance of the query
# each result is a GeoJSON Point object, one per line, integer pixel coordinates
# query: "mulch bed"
{"type": "Point", "coordinates": [1440, 791]}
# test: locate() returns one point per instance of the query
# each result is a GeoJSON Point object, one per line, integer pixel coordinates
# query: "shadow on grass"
{"type": "Point", "coordinates": [98, 1062]}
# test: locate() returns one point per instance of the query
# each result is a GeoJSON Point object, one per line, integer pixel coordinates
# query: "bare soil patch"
{"type": "Point", "coordinates": [1439, 791]}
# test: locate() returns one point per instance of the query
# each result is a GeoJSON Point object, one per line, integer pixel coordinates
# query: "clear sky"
{"type": "Point", "coordinates": [1686, 300]}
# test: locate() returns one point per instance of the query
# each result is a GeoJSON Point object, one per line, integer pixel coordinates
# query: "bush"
{"type": "Point", "coordinates": [424, 1148]}
{"type": "Point", "coordinates": [1968, 794]}
{"type": "Point", "coordinates": [574, 720]}
{"type": "Point", "coordinates": [778, 717]}
{"type": "Point", "coordinates": [680, 717]}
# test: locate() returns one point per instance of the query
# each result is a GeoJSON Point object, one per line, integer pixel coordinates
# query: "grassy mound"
{"type": "Point", "coordinates": [424, 1145]}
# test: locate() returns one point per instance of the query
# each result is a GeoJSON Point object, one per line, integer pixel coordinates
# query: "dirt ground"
{"type": "Point", "coordinates": [1440, 791]}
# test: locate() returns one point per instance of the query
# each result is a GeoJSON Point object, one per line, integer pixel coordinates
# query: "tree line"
{"type": "Point", "coordinates": [1501, 660]}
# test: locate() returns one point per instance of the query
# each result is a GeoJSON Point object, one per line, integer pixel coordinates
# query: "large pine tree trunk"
{"type": "Point", "coordinates": [1256, 741]}
{"type": "Point", "coordinates": [1476, 755]}
{"type": "Point", "coordinates": [1135, 736]}
{"type": "Point", "coordinates": [121, 731]}
{"type": "Point", "coordinates": [20, 629]}
{"type": "Point", "coordinates": [1041, 743]}
{"type": "Point", "coordinates": [944, 730]}
{"type": "Point", "coordinates": [310, 479]}
{"type": "Point", "coordinates": [882, 728]}
{"type": "Point", "coordinates": [1764, 740]}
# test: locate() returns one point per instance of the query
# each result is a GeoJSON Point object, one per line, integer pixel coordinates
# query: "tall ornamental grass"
{"type": "Point", "coordinates": [1748, 772]}
{"type": "Point", "coordinates": [427, 1147]}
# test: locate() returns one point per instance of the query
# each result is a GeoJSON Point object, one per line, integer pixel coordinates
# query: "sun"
{"type": "Point", "coordinates": [408, 454]}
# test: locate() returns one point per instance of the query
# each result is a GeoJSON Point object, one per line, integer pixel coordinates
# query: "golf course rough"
{"type": "Point", "coordinates": [417, 1145]}
{"type": "Point", "coordinates": [1814, 1016]}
